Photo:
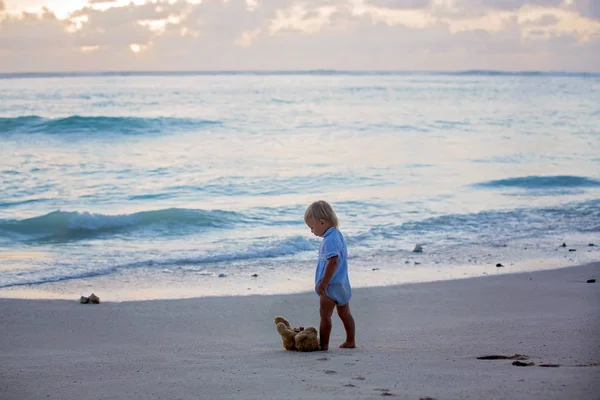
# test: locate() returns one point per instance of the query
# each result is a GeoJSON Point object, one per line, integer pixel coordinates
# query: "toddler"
{"type": "Point", "coordinates": [331, 277]}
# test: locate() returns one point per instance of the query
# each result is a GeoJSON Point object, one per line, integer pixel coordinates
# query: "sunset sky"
{"type": "Point", "coordinates": [96, 35]}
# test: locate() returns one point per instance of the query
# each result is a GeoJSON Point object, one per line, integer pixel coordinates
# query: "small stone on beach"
{"type": "Point", "coordinates": [499, 265]}
{"type": "Point", "coordinates": [254, 275]}
{"type": "Point", "coordinates": [497, 357]}
{"type": "Point", "coordinates": [84, 300]}
{"type": "Point", "coordinates": [375, 269]}
{"type": "Point", "coordinates": [418, 249]}
{"type": "Point", "coordinates": [523, 364]}
{"type": "Point", "coordinates": [94, 299]}
{"type": "Point", "coordinates": [572, 249]}
{"type": "Point", "coordinates": [563, 245]}
{"type": "Point", "coordinates": [590, 281]}
{"type": "Point", "coordinates": [591, 244]}
{"type": "Point", "coordinates": [222, 275]}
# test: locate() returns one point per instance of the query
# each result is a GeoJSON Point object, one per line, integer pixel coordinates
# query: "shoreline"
{"type": "Point", "coordinates": [414, 340]}
{"type": "Point", "coordinates": [134, 285]}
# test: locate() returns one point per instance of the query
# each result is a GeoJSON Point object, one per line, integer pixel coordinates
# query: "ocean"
{"type": "Point", "coordinates": [170, 185]}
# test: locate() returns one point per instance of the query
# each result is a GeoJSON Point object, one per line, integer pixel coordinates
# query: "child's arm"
{"type": "Point", "coordinates": [329, 271]}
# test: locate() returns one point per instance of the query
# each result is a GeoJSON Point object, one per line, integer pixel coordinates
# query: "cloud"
{"type": "Point", "coordinates": [306, 34]}
{"type": "Point", "coordinates": [33, 33]}
{"type": "Point", "coordinates": [588, 8]}
{"type": "Point", "coordinates": [545, 20]}
{"type": "Point", "coordinates": [508, 5]}
{"type": "Point", "coordinates": [247, 38]}
{"type": "Point", "coordinates": [401, 3]}
{"type": "Point", "coordinates": [101, 1]}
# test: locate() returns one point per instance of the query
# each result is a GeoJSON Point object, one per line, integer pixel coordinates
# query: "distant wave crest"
{"type": "Point", "coordinates": [542, 182]}
{"type": "Point", "coordinates": [99, 124]}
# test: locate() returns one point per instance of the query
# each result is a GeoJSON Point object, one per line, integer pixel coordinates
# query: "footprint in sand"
{"type": "Point", "coordinates": [330, 372]}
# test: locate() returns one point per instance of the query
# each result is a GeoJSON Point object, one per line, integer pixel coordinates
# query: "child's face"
{"type": "Point", "coordinates": [318, 227]}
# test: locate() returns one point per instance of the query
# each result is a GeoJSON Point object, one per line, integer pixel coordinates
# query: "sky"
{"type": "Point", "coordinates": [400, 35]}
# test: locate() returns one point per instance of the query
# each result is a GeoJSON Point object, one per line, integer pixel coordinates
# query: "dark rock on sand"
{"type": "Point", "coordinates": [550, 365]}
{"type": "Point", "coordinates": [254, 275]}
{"type": "Point", "coordinates": [590, 281]}
{"type": "Point", "coordinates": [418, 249]}
{"type": "Point", "coordinates": [523, 364]}
{"type": "Point", "coordinates": [94, 299]}
{"type": "Point", "coordinates": [499, 265]}
{"type": "Point", "coordinates": [496, 357]}
{"type": "Point", "coordinates": [591, 244]}
{"type": "Point", "coordinates": [563, 245]}
{"type": "Point", "coordinates": [572, 249]}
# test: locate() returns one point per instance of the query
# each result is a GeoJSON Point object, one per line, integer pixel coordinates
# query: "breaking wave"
{"type": "Point", "coordinates": [73, 225]}
{"type": "Point", "coordinates": [542, 182]}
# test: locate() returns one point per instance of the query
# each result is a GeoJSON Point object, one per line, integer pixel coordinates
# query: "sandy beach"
{"type": "Point", "coordinates": [415, 341]}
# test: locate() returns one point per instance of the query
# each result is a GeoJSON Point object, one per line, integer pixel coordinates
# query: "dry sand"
{"type": "Point", "coordinates": [415, 341]}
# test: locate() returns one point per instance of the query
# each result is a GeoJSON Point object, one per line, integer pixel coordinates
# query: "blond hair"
{"type": "Point", "coordinates": [321, 210]}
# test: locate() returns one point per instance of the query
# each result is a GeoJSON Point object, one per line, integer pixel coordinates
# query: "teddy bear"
{"type": "Point", "coordinates": [301, 339]}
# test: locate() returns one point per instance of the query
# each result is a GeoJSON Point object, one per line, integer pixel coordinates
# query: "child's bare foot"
{"type": "Point", "coordinates": [348, 345]}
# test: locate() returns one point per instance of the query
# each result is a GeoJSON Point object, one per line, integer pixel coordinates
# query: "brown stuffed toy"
{"type": "Point", "coordinates": [301, 339]}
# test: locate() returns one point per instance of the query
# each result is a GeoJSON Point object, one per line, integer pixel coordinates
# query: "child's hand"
{"type": "Point", "coordinates": [321, 288]}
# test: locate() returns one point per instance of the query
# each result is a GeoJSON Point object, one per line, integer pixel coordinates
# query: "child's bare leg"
{"type": "Point", "coordinates": [326, 310]}
{"type": "Point", "coordinates": [348, 321]}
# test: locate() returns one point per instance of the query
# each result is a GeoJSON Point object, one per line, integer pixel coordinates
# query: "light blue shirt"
{"type": "Point", "coordinates": [333, 244]}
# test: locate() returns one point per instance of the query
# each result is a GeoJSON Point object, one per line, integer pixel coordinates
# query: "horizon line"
{"type": "Point", "coordinates": [318, 71]}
